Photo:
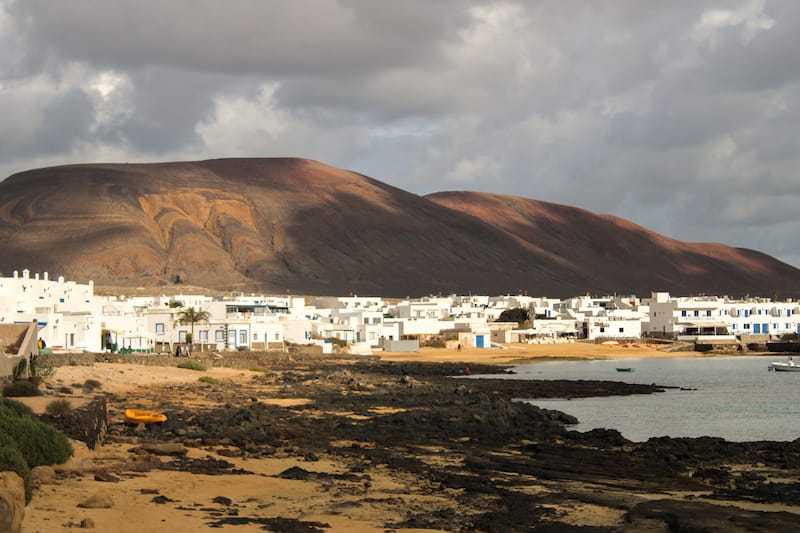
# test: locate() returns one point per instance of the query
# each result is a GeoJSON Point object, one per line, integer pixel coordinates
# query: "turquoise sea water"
{"type": "Point", "coordinates": [736, 398]}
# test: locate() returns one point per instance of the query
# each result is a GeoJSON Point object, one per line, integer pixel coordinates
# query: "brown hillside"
{"type": "Point", "coordinates": [611, 254]}
{"type": "Point", "coordinates": [294, 225]}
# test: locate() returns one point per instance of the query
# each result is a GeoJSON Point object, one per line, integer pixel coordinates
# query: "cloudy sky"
{"type": "Point", "coordinates": [680, 115]}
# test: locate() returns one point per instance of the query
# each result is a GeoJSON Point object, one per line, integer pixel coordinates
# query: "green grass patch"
{"type": "Point", "coordinates": [192, 365]}
{"type": "Point", "coordinates": [209, 379]}
{"type": "Point", "coordinates": [265, 371]}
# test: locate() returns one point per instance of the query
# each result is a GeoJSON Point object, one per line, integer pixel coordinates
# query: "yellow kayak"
{"type": "Point", "coordinates": [137, 416]}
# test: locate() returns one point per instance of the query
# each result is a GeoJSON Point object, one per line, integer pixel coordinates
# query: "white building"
{"type": "Point", "coordinates": [711, 315]}
{"type": "Point", "coordinates": [67, 312]}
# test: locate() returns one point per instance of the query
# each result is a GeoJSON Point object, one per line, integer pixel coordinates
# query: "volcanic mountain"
{"type": "Point", "coordinates": [295, 225]}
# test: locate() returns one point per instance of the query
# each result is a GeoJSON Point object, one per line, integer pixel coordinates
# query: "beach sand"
{"type": "Point", "coordinates": [194, 502]}
{"type": "Point", "coordinates": [521, 353]}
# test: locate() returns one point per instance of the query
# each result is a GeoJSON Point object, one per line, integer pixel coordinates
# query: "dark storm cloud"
{"type": "Point", "coordinates": [168, 104]}
{"type": "Point", "coordinates": [66, 120]}
{"type": "Point", "coordinates": [239, 37]}
{"type": "Point", "coordinates": [680, 116]}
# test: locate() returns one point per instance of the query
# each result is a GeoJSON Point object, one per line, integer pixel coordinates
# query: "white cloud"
{"type": "Point", "coordinates": [749, 19]}
{"type": "Point", "coordinates": [241, 124]}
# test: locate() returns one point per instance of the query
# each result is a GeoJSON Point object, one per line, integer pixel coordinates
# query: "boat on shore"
{"type": "Point", "coordinates": [138, 416]}
{"type": "Point", "coordinates": [625, 369]}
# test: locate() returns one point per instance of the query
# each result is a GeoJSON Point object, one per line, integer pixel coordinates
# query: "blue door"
{"type": "Point", "coordinates": [479, 341]}
{"type": "Point", "coordinates": [764, 328]}
{"type": "Point", "coordinates": [756, 328]}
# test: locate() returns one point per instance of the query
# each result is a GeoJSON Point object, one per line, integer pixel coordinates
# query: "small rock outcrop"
{"type": "Point", "coordinates": [97, 501]}
{"type": "Point", "coordinates": [43, 475]}
{"type": "Point", "coordinates": [12, 502]}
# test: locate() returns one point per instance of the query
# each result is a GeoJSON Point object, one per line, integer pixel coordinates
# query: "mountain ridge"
{"type": "Point", "coordinates": [298, 225]}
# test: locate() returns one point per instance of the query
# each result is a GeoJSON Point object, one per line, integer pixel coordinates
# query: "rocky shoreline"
{"type": "Point", "coordinates": [478, 459]}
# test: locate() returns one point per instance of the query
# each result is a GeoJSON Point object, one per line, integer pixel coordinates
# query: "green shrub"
{"type": "Point", "coordinates": [19, 369]}
{"type": "Point", "coordinates": [40, 443]}
{"type": "Point", "coordinates": [7, 441]}
{"type": "Point", "coordinates": [192, 365]}
{"type": "Point", "coordinates": [11, 459]}
{"type": "Point", "coordinates": [18, 407]}
{"type": "Point", "coordinates": [517, 314]}
{"type": "Point", "coordinates": [91, 384]}
{"type": "Point", "coordinates": [209, 379]}
{"type": "Point", "coordinates": [21, 388]}
{"type": "Point", "coordinates": [58, 407]}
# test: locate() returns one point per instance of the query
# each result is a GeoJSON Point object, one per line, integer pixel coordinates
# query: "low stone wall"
{"type": "Point", "coordinates": [67, 359]}
{"type": "Point", "coordinates": [237, 359]}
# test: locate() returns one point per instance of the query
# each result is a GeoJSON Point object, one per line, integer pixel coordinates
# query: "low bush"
{"type": "Point", "coordinates": [11, 459]}
{"type": "Point", "coordinates": [18, 407]}
{"type": "Point", "coordinates": [91, 384]}
{"type": "Point", "coordinates": [192, 365]}
{"type": "Point", "coordinates": [21, 388]}
{"type": "Point", "coordinates": [209, 379]}
{"type": "Point", "coordinates": [58, 407]}
{"type": "Point", "coordinates": [7, 441]}
{"type": "Point", "coordinates": [40, 443]}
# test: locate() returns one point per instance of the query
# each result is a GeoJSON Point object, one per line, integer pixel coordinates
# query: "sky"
{"type": "Point", "coordinates": [682, 116]}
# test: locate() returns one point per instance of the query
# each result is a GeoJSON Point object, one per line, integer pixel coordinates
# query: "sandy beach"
{"type": "Point", "coordinates": [521, 353]}
{"type": "Point", "coordinates": [317, 469]}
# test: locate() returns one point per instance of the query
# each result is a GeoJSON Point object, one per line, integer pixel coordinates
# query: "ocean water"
{"type": "Point", "coordinates": [735, 398]}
